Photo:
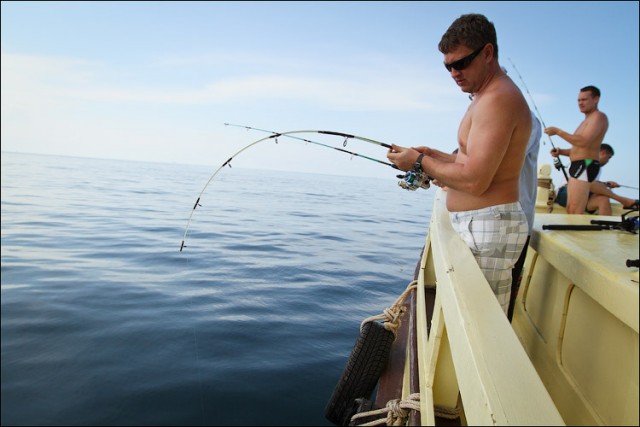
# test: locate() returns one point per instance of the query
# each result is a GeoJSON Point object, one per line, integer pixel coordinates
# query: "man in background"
{"type": "Point", "coordinates": [600, 193]}
{"type": "Point", "coordinates": [585, 141]}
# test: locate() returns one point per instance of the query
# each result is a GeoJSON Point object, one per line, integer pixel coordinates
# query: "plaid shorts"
{"type": "Point", "coordinates": [496, 236]}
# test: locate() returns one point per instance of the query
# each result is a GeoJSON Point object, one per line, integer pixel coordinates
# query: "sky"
{"type": "Point", "coordinates": [156, 81]}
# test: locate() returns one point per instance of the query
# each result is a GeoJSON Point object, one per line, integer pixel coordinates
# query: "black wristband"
{"type": "Point", "coordinates": [418, 165]}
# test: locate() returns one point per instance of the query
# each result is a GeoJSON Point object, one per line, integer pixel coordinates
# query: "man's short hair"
{"type": "Point", "coordinates": [472, 30]}
{"type": "Point", "coordinates": [594, 90]}
{"type": "Point", "coordinates": [606, 147]}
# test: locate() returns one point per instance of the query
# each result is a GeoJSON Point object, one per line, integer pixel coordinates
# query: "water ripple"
{"type": "Point", "coordinates": [106, 322]}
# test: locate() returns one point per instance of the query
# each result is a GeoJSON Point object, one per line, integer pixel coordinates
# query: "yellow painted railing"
{"type": "Point", "coordinates": [472, 361]}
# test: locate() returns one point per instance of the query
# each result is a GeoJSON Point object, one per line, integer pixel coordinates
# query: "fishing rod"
{"type": "Point", "coordinates": [628, 224]}
{"type": "Point", "coordinates": [344, 144]}
{"type": "Point", "coordinates": [410, 181]}
{"type": "Point", "coordinates": [326, 132]}
{"type": "Point", "coordinates": [628, 186]}
{"type": "Point", "coordinates": [556, 161]}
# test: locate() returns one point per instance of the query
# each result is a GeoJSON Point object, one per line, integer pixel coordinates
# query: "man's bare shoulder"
{"type": "Point", "coordinates": [503, 89]}
{"type": "Point", "coordinates": [600, 116]}
{"type": "Point", "coordinates": [504, 96]}
{"type": "Point", "coordinates": [595, 120]}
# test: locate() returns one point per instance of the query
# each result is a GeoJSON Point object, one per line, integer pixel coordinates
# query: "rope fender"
{"type": "Point", "coordinates": [366, 363]}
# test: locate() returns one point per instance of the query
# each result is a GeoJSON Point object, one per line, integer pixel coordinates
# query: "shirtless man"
{"type": "Point", "coordinates": [482, 178]}
{"type": "Point", "coordinates": [600, 193]}
{"type": "Point", "coordinates": [586, 140]}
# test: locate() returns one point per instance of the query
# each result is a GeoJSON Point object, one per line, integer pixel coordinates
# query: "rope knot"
{"type": "Point", "coordinates": [397, 412]}
{"type": "Point", "coordinates": [391, 315]}
{"type": "Point", "coordinates": [397, 415]}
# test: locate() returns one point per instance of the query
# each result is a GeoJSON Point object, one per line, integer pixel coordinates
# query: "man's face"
{"type": "Point", "coordinates": [605, 156]}
{"type": "Point", "coordinates": [465, 67]}
{"type": "Point", "coordinates": [587, 102]}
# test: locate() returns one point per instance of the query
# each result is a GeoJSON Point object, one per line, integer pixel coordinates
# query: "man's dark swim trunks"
{"type": "Point", "coordinates": [584, 170]}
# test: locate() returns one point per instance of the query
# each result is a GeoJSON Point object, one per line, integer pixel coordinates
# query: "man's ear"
{"type": "Point", "coordinates": [488, 50]}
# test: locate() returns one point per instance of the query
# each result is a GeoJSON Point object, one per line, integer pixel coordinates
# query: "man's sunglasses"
{"type": "Point", "coordinates": [463, 63]}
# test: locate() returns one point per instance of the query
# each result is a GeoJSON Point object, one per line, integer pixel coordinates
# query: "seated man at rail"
{"type": "Point", "coordinates": [600, 193]}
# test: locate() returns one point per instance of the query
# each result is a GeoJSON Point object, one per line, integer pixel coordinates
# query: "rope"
{"type": "Point", "coordinates": [397, 412]}
{"type": "Point", "coordinates": [551, 200]}
{"type": "Point", "coordinates": [544, 182]}
{"type": "Point", "coordinates": [448, 413]}
{"type": "Point", "coordinates": [391, 315]}
{"type": "Point", "coordinates": [547, 183]}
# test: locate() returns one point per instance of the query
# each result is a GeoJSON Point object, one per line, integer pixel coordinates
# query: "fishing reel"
{"type": "Point", "coordinates": [630, 225]}
{"type": "Point", "coordinates": [558, 163]}
{"type": "Point", "coordinates": [412, 180]}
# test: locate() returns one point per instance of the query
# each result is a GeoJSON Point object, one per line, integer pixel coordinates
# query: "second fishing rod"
{"type": "Point", "coordinates": [556, 161]}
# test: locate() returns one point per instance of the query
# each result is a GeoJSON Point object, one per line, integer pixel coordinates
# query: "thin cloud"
{"type": "Point", "coordinates": [28, 79]}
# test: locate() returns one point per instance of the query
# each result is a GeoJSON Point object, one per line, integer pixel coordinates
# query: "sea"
{"type": "Point", "coordinates": [106, 322]}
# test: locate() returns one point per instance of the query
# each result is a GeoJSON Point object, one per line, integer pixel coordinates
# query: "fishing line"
{"type": "Point", "coordinates": [556, 161]}
{"type": "Point", "coordinates": [411, 180]}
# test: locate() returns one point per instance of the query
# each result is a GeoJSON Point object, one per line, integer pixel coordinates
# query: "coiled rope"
{"type": "Point", "coordinates": [397, 412]}
{"type": "Point", "coordinates": [547, 183]}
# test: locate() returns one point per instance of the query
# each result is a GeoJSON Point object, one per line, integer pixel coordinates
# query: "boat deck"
{"type": "Point", "coordinates": [577, 317]}
{"type": "Point", "coordinates": [570, 356]}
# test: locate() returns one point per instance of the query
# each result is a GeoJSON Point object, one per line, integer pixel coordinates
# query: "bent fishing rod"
{"type": "Point", "coordinates": [325, 132]}
{"type": "Point", "coordinates": [556, 161]}
{"type": "Point", "coordinates": [410, 181]}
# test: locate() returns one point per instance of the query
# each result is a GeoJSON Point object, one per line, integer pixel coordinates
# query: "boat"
{"type": "Point", "coordinates": [569, 356]}
{"type": "Point", "coordinates": [547, 191]}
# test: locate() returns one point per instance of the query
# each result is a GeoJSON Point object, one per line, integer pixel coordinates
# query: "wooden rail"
{"type": "Point", "coordinates": [472, 361]}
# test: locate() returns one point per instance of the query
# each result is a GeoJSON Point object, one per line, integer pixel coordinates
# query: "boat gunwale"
{"type": "Point", "coordinates": [486, 352]}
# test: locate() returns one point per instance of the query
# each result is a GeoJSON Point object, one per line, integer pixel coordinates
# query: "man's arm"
{"type": "Point", "coordinates": [437, 154]}
{"type": "Point", "coordinates": [595, 126]}
{"type": "Point", "coordinates": [492, 126]}
{"type": "Point", "coordinates": [555, 152]}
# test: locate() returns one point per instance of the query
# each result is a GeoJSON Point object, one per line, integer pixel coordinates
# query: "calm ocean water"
{"type": "Point", "coordinates": [105, 322]}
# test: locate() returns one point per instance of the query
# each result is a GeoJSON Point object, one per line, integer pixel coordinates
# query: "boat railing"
{"type": "Point", "coordinates": [471, 362]}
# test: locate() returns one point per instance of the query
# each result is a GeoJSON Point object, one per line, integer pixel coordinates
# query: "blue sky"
{"type": "Point", "coordinates": [156, 81]}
